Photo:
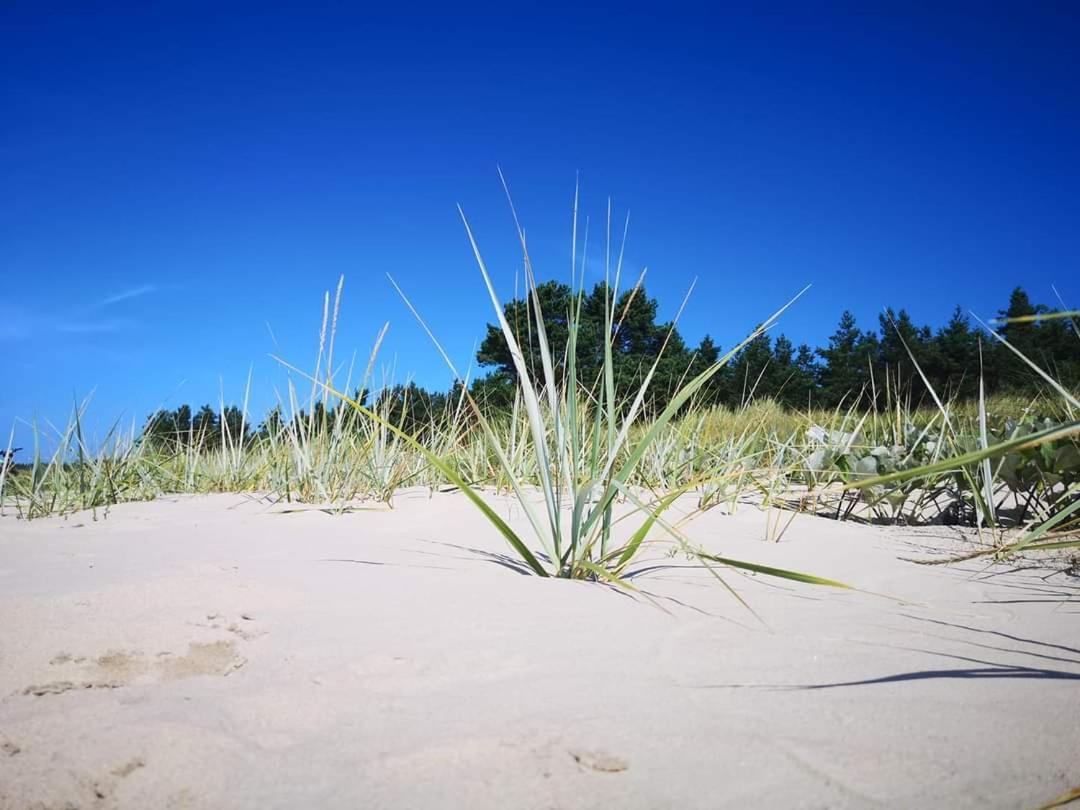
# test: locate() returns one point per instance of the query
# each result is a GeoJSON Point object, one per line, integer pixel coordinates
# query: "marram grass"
{"type": "Point", "coordinates": [569, 451]}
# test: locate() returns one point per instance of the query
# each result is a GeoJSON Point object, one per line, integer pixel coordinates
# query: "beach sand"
{"type": "Point", "coordinates": [224, 652]}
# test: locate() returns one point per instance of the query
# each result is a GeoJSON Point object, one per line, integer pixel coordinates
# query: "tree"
{"type": "Point", "coordinates": [764, 367]}
{"type": "Point", "coordinates": [555, 301]}
{"type": "Point", "coordinates": [1051, 343]}
{"type": "Point", "coordinates": [169, 429]}
{"type": "Point", "coordinates": [273, 424]}
{"type": "Point", "coordinates": [706, 355]}
{"type": "Point", "coordinates": [411, 408]}
{"type": "Point", "coordinates": [803, 386]}
{"type": "Point", "coordinates": [636, 339]}
{"type": "Point", "coordinates": [791, 376]}
{"type": "Point", "coordinates": [175, 430]}
{"type": "Point", "coordinates": [956, 350]}
{"type": "Point", "coordinates": [495, 392]}
{"type": "Point", "coordinates": [1059, 351]}
{"type": "Point", "coordinates": [847, 360]}
{"type": "Point", "coordinates": [901, 340]}
{"type": "Point", "coordinates": [749, 369]}
{"type": "Point", "coordinates": [233, 424]}
{"type": "Point", "coordinates": [205, 427]}
{"type": "Point", "coordinates": [1022, 335]}
{"type": "Point", "coordinates": [181, 420]}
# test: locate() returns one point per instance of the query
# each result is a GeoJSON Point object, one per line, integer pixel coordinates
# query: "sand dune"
{"type": "Point", "coordinates": [222, 652]}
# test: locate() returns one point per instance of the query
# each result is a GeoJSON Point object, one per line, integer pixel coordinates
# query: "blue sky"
{"type": "Point", "coordinates": [177, 177]}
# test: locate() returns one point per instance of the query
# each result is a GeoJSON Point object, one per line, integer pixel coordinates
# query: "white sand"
{"type": "Point", "coordinates": [209, 653]}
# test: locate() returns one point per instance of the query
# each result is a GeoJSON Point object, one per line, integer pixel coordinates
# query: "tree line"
{"type": "Point", "coordinates": [409, 407]}
{"type": "Point", "coordinates": [899, 356]}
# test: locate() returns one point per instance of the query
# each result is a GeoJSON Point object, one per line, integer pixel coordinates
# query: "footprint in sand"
{"type": "Point", "coordinates": [243, 627]}
{"type": "Point", "coordinates": [129, 768]}
{"type": "Point", "coordinates": [104, 787]}
{"type": "Point", "coordinates": [599, 761]}
{"type": "Point", "coordinates": [119, 668]}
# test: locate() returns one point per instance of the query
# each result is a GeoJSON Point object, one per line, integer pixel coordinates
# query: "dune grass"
{"type": "Point", "coordinates": [581, 449]}
{"type": "Point", "coordinates": [595, 474]}
{"type": "Point", "coordinates": [755, 457]}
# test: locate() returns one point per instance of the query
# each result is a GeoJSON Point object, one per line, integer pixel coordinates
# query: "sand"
{"type": "Point", "coordinates": [215, 652]}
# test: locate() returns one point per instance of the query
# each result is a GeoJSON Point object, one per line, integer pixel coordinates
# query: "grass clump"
{"type": "Point", "coordinates": [586, 446]}
{"type": "Point", "coordinates": [594, 465]}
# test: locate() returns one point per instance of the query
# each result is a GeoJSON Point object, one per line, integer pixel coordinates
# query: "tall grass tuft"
{"type": "Point", "coordinates": [586, 447]}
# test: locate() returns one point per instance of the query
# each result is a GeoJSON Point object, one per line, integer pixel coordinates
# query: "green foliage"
{"type": "Point", "coordinates": [206, 429]}
{"type": "Point", "coordinates": [855, 366]}
{"type": "Point", "coordinates": [592, 402]}
{"type": "Point", "coordinates": [1042, 476]}
{"type": "Point", "coordinates": [917, 473]}
{"type": "Point", "coordinates": [636, 339]}
{"type": "Point", "coordinates": [847, 362]}
{"type": "Point", "coordinates": [954, 367]}
{"type": "Point", "coordinates": [412, 408]}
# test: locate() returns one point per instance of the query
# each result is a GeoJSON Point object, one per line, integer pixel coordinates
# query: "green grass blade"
{"type": "Point", "coordinates": [652, 515]}
{"type": "Point", "coordinates": [782, 573]}
{"type": "Point", "coordinates": [447, 470]}
{"type": "Point", "coordinates": [1020, 443]}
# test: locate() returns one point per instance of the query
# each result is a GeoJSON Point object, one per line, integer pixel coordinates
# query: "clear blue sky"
{"type": "Point", "coordinates": [176, 176]}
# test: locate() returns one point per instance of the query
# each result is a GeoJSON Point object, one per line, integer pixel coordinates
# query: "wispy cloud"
{"type": "Point", "coordinates": [25, 324]}
{"type": "Point", "coordinates": [126, 295]}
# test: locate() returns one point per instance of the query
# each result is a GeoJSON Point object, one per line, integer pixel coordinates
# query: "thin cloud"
{"type": "Point", "coordinates": [126, 295]}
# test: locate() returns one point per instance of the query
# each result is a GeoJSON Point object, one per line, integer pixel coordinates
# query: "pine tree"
{"type": "Point", "coordinates": [205, 427]}
{"type": "Point", "coordinates": [803, 386]}
{"type": "Point", "coordinates": [1012, 372]}
{"type": "Point", "coordinates": [901, 340]}
{"type": "Point", "coordinates": [956, 350]}
{"type": "Point", "coordinates": [750, 371]}
{"type": "Point", "coordinates": [845, 372]}
{"type": "Point", "coordinates": [637, 339]}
